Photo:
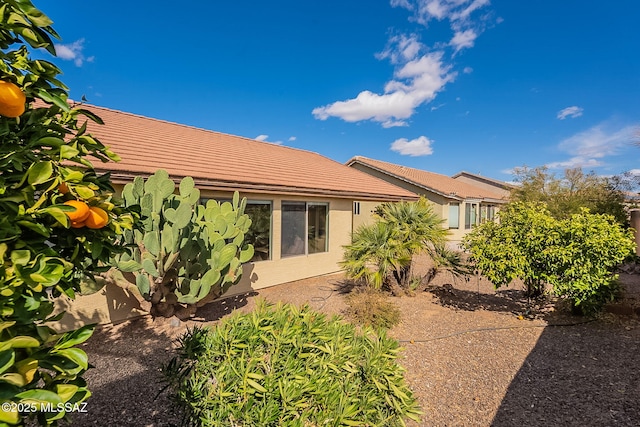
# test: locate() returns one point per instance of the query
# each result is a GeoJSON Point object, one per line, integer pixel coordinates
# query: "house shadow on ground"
{"type": "Point", "coordinates": [579, 375]}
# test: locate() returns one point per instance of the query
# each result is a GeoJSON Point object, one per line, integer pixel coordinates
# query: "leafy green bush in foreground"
{"type": "Point", "coordinates": [287, 366]}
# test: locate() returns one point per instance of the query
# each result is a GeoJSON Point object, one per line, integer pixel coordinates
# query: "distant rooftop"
{"type": "Point", "coordinates": [502, 184]}
{"type": "Point", "coordinates": [434, 182]}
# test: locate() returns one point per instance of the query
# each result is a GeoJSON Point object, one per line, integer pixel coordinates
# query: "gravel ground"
{"type": "Point", "coordinates": [474, 357]}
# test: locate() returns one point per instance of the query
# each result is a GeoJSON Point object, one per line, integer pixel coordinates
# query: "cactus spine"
{"type": "Point", "coordinates": [185, 253]}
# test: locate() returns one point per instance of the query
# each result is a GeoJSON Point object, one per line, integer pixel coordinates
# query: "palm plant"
{"type": "Point", "coordinates": [374, 254]}
{"type": "Point", "coordinates": [385, 249]}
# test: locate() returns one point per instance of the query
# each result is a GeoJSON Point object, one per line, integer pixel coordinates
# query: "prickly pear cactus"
{"type": "Point", "coordinates": [185, 253]}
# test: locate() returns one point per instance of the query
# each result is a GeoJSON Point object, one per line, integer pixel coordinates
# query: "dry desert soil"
{"type": "Point", "coordinates": [474, 356]}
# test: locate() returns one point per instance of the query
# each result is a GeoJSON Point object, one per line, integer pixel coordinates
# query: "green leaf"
{"type": "Point", "coordinates": [39, 397]}
{"type": "Point", "coordinates": [129, 266]}
{"type": "Point", "coordinates": [76, 355]}
{"type": "Point", "coordinates": [143, 284]}
{"type": "Point", "coordinates": [186, 185]}
{"type": "Point", "coordinates": [20, 341]}
{"type": "Point", "coordinates": [13, 378]}
{"type": "Point", "coordinates": [39, 172]}
{"type": "Point", "coordinates": [184, 212]}
{"type": "Point", "coordinates": [68, 152]}
{"type": "Point", "coordinates": [246, 254]}
{"type": "Point", "coordinates": [150, 267]}
{"type": "Point", "coordinates": [151, 243]}
{"type": "Point", "coordinates": [74, 338]}
{"type": "Point", "coordinates": [7, 360]}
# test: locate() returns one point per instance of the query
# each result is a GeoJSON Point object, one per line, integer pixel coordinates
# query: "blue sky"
{"type": "Point", "coordinates": [442, 85]}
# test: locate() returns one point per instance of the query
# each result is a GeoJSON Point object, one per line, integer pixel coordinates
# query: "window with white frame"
{"type": "Point", "coordinates": [454, 215]}
{"type": "Point", "coordinates": [470, 215]}
{"type": "Point", "coordinates": [304, 228]}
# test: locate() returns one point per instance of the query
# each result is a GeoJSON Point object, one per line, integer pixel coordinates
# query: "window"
{"type": "Point", "coordinates": [259, 234]}
{"type": "Point", "coordinates": [470, 215]}
{"type": "Point", "coordinates": [491, 212]}
{"type": "Point", "coordinates": [304, 228]}
{"type": "Point", "coordinates": [356, 208]}
{"type": "Point", "coordinates": [487, 213]}
{"type": "Point", "coordinates": [454, 215]}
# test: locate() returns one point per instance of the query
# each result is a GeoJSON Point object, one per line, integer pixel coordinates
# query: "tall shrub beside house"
{"type": "Point", "coordinates": [576, 256]}
{"type": "Point", "coordinates": [381, 254]}
{"type": "Point", "coordinates": [58, 223]}
{"type": "Point", "coordinates": [184, 253]}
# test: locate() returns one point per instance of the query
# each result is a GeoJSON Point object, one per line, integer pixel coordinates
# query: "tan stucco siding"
{"type": "Point", "coordinates": [114, 304]}
{"type": "Point", "coordinates": [365, 216]}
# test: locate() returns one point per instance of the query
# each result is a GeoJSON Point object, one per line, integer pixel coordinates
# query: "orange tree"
{"type": "Point", "coordinates": [58, 223]}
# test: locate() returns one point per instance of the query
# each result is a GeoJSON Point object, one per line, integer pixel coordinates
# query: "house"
{"type": "Point", "coordinates": [301, 203]}
{"type": "Point", "coordinates": [460, 204]}
{"type": "Point", "coordinates": [499, 187]}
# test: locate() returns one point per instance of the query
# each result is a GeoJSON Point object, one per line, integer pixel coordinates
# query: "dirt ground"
{"type": "Point", "coordinates": [474, 357]}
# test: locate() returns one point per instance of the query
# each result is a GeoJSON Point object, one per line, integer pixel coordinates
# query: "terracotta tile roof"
{"type": "Point", "coordinates": [434, 182]}
{"type": "Point", "coordinates": [497, 183]}
{"type": "Point", "coordinates": [219, 161]}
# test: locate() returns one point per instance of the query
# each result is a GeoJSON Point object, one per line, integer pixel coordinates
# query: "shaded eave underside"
{"type": "Point", "coordinates": [205, 184]}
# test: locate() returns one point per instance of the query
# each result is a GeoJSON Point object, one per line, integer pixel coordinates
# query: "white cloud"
{"type": "Point", "coordinates": [588, 148]}
{"type": "Point", "coordinates": [456, 11]}
{"type": "Point", "coordinates": [263, 138]}
{"type": "Point", "coordinates": [571, 112]}
{"type": "Point", "coordinates": [73, 52]}
{"type": "Point", "coordinates": [292, 138]}
{"type": "Point", "coordinates": [463, 39]}
{"type": "Point", "coordinates": [415, 83]}
{"type": "Point", "coordinates": [401, 48]}
{"type": "Point", "coordinates": [467, 70]}
{"type": "Point", "coordinates": [421, 72]}
{"type": "Point", "coordinates": [575, 162]}
{"type": "Point", "coordinates": [420, 146]}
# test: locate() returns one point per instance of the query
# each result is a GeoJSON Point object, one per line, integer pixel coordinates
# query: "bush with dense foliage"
{"type": "Point", "coordinates": [288, 366]}
{"type": "Point", "coordinates": [381, 253]}
{"type": "Point", "coordinates": [576, 256]}
{"type": "Point", "coordinates": [58, 223]}
{"type": "Point", "coordinates": [566, 195]}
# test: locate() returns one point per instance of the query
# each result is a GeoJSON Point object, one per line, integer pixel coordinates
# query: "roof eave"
{"type": "Point", "coordinates": [205, 184]}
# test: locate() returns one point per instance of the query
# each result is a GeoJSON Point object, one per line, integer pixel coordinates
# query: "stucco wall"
{"type": "Point", "coordinates": [113, 304]}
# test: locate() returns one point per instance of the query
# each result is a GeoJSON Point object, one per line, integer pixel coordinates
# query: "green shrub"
{"type": "Point", "coordinates": [577, 256]}
{"type": "Point", "coordinates": [371, 307]}
{"type": "Point", "coordinates": [288, 366]}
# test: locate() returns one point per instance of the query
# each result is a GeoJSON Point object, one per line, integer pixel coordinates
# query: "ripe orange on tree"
{"type": "Point", "coordinates": [80, 214]}
{"type": "Point", "coordinates": [97, 218]}
{"type": "Point", "coordinates": [12, 100]}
